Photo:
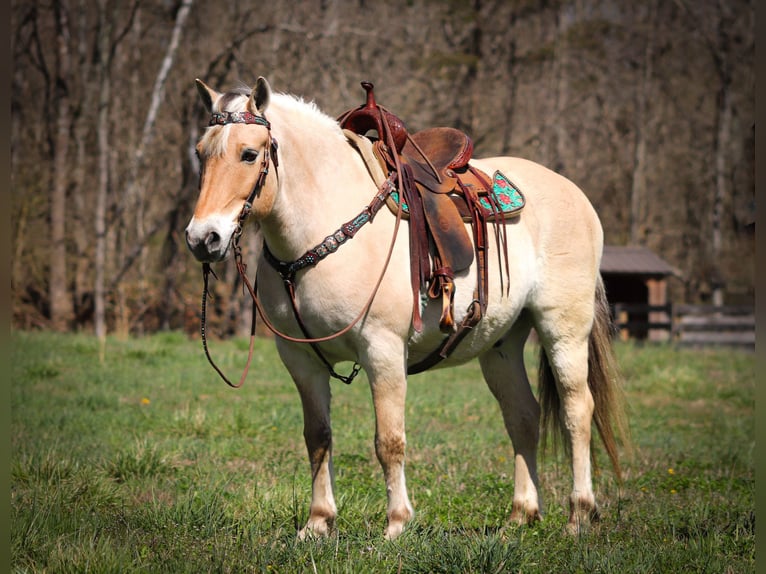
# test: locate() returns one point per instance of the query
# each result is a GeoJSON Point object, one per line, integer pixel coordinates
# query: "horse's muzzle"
{"type": "Point", "coordinates": [208, 242]}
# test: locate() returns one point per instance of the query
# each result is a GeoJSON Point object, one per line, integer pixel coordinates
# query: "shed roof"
{"type": "Point", "coordinates": [634, 260]}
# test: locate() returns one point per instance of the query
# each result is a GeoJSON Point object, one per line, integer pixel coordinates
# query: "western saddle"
{"type": "Point", "coordinates": [439, 192]}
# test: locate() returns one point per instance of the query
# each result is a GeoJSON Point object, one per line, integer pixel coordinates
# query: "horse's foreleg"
{"type": "Point", "coordinates": [314, 389]}
{"type": "Point", "coordinates": [506, 376]}
{"type": "Point", "coordinates": [388, 395]}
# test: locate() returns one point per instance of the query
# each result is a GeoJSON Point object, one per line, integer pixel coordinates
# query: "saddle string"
{"type": "Point", "coordinates": [501, 236]}
{"type": "Point", "coordinates": [416, 267]}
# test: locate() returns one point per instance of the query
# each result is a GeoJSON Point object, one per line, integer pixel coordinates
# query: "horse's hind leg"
{"type": "Point", "coordinates": [564, 336]}
{"type": "Point", "coordinates": [504, 371]}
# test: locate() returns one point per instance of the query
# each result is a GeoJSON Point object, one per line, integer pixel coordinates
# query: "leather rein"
{"type": "Point", "coordinates": [288, 270]}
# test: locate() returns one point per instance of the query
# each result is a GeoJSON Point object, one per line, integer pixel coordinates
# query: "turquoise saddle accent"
{"type": "Point", "coordinates": [506, 197]}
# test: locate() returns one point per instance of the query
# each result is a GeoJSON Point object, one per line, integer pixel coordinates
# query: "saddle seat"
{"type": "Point", "coordinates": [439, 192]}
{"type": "Point", "coordinates": [448, 151]}
{"type": "Point", "coordinates": [446, 148]}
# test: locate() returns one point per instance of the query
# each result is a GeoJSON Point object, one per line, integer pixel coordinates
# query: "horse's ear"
{"type": "Point", "coordinates": [260, 96]}
{"type": "Point", "coordinates": [207, 94]}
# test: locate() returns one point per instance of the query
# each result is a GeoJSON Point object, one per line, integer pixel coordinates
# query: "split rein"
{"type": "Point", "coordinates": [220, 119]}
{"type": "Point", "coordinates": [288, 270]}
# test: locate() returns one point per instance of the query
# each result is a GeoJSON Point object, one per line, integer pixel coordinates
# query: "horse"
{"type": "Point", "coordinates": [279, 160]}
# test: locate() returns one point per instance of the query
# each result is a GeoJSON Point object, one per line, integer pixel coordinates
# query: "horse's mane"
{"type": "Point", "coordinates": [303, 111]}
{"type": "Point", "coordinates": [287, 107]}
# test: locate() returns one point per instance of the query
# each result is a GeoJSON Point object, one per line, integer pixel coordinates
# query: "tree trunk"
{"type": "Point", "coordinates": [465, 118]}
{"type": "Point", "coordinates": [147, 133]}
{"type": "Point", "coordinates": [83, 198]}
{"type": "Point", "coordinates": [723, 137]}
{"type": "Point", "coordinates": [721, 54]}
{"type": "Point", "coordinates": [638, 185]}
{"type": "Point", "coordinates": [140, 194]}
{"type": "Point", "coordinates": [105, 94]}
{"type": "Point", "coordinates": [134, 189]}
{"type": "Point", "coordinates": [509, 103]}
{"type": "Point", "coordinates": [133, 185]}
{"type": "Point", "coordinates": [58, 292]}
{"type": "Point", "coordinates": [560, 145]}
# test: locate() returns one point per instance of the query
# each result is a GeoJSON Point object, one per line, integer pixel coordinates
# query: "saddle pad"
{"type": "Point", "coordinates": [507, 198]}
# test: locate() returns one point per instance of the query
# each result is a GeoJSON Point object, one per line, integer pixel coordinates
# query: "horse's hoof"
{"type": "Point", "coordinates": [581, 516]}
{"type": "Point", "coordinates": [315, 528]}
{"type": "Point", "coordinates": [522, 514]}
{"type": "Point", "coordinates": [397, 520]}
{"type": "Point", "coordinates": [393, 531]}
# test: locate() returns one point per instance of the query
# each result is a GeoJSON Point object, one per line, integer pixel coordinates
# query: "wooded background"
{"type": "Point", "coordinates": [648, 106]}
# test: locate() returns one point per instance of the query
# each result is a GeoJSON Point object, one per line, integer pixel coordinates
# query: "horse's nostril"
{"type": "Point", "coordinates": [212, 240]}
{"type": "Point", "coordinates": [191, 240]}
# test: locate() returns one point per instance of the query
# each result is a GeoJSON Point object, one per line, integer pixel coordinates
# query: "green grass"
{"type": "Point", "coordinates": [149, 463]}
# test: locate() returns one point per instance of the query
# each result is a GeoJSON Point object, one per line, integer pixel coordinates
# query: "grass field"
{"type": "Point", "coordinates": [147, 462]}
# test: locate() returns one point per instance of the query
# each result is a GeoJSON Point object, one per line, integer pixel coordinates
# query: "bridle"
{"type": "Point", "coordinates": [270, 150]}
{"type": "Point", "coordinates": [288, 270]}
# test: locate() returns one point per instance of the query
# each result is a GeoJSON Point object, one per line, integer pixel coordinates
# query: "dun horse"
{"type": "Point", "coordinates": [354, 294]}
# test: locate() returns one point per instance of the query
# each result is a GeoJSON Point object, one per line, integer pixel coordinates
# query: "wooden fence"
{"type": "Point", "coordinates": [687, 325]}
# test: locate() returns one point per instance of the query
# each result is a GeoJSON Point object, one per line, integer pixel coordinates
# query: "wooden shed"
{"type": "Point", "coordinates": [636, 287]}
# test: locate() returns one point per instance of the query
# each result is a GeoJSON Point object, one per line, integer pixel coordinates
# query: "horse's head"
{"type": "Point", "coordinates": [235, 154]}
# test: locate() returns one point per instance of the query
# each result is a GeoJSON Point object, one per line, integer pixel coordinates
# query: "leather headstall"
{"type": "Point", "coordinates": [269, 155]}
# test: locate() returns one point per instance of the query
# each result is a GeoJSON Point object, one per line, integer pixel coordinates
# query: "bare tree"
{"type": "Point", "coordinates": [566, 18]}
{"type": "Point", "coordinates": [716, 25]}
{"type": "Point", "coordinates": [133, 185]}
{"type": "Point", "coordinates": [638, 185]}
{"type": "Point", "coordinates": [105, 95]}
{"type": "Point", "coordinates": [60, 302]}
{"type": "Point", "coordinates": [720, 51]}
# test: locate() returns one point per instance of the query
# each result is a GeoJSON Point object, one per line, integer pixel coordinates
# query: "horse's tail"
{"type": "Point", "coordinates": [603, 382]}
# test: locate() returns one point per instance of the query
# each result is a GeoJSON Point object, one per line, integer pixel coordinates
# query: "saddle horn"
{"type": "Point", "coordinates": [371, 116]}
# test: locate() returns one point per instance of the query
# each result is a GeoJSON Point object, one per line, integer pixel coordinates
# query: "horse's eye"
{"type": "Point", "coordinates": [249, 155]}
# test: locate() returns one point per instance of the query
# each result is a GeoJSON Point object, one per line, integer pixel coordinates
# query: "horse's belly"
{"type": "Point", "coordinates": [506, 299]}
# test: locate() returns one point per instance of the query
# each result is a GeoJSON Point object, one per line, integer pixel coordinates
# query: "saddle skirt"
{"type": "Point", "coordinates": [504, 200]}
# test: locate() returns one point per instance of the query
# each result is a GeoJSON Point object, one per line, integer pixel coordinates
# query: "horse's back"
{"type": "Point", "coordinates": [557, 213]}
{"type": "Point", "coordinates": [563, 228]}
{"type": "Point", "coordinates": [552, 196]}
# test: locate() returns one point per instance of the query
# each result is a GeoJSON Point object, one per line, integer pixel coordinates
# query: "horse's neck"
{"type": "Point", "coordinates": [321, 186]}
